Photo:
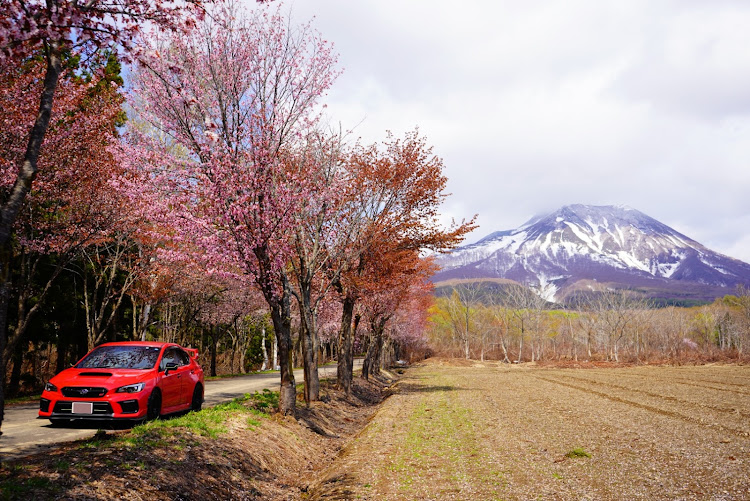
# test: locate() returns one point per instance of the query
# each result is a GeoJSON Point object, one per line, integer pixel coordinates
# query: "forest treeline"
{"type": "Point", "coordinates": [515, 324]}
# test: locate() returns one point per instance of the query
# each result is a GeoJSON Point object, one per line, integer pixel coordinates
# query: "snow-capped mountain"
{"type": "Point", "coordinates": [615, 245]}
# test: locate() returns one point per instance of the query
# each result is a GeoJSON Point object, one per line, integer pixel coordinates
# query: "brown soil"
{"type": "Point", "coordinates": [272, 458]}
{"type": "Point", "coordinates": [492, 431]}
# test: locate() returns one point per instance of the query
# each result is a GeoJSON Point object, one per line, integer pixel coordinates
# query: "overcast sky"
{"type": "Point", "coordinates": [538, 104]}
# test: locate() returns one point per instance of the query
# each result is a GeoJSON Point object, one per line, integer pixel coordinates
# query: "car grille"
{"type": "Point", "coordinates": [100, 408]}
{"type": "Point", "coordinates": [129, 406]}
{"type": "Point", "coordinates": [84, 392]}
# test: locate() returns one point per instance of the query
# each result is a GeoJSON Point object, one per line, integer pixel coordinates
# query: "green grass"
{"type": "Point", "coordinates": [253, 423]}
{"type": "Point", "coordinates": [17, 487]}
{"type": "Point", "coordinates": [578, 452]}
{"type": "Point", "coordinates": [99, 439]}
{"type": "Point", "coordinates": [27, 488]}
{"type": "Point", "coordinates": [440, 437]}
{"type": "Point", "coordinates": [210, 422]}
{"type": "Point", "coordinates": [61, 465]}
{"type": "Point", "coordinates": [265, 401]}
{"type": "Point", "coordinates": [23, 400]}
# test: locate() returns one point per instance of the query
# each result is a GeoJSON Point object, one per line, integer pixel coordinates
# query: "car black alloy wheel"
{"type": "Point", "coordinates": [154, 405]}
{"type": "Point", "coordinates": [197, 402]}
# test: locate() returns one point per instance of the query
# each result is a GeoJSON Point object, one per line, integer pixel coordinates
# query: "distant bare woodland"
{"type": "Point", "coordinates": [612, 326]}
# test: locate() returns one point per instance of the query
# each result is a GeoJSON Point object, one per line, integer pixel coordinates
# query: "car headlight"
{"type": "Point", "coordinates": [131, 388]}
{"type": "Point", "coordinates": [50, 387]}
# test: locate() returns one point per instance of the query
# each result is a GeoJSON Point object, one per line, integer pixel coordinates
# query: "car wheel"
{"type": "Point", "coordinates": [197, 402]}
{"type": "Point", "coordinates": [154, 406]}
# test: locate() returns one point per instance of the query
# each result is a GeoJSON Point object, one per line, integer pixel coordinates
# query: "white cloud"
{"type": "Point", "coordinates": [534, 105]}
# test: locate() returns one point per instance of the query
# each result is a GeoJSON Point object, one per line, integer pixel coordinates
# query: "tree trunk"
{"type": "Point", "coordinates": [5, 251]}
{"type": "Point", "coordinates": [14, 385]}
{"type": "Point", "coordinates": [299, 360]}
{"type": "Point", "coordinates": [371, 364]}
{"type": "Point", "coordinates": [263, 348]}
{"type": "Point", "coordinates": [309, 362]}
{"type": "Point", "coordinates": [243, 350]}
{"type": "Point", "coordinates": [368, 359]}
{"type": "Point", "coordinates": [102, 307]}
{"type": "Point", "coordinates": [281, 316]}
{"type": "Point", "coordinates": [345, 363]}
{"type": "Point", "coordinates": [275, 356]}
{"type": "Point", "coordinates": [21, 187]}
{"type": "Point", "coordinates": [505, 351]}
{"type": "Point", "coordinates": [288, 390]}
{"type": "Point", "coordinates": [617, 351]}
{"type": "Point", "coordinates": [213, 348]}
{"type": "Point", "coordinates": [466, 339]}
{"type": "Point", "coordinates": [62, 353]}
{"type": "Point", "coordinates": [388, 354]}
{"type": "Point", "coordinates": [145, 317]}
{"type": "Point", "coordinates": [134, 336]}
{"type": "Point", "coordinates": [309, 341]}
{"type": "Point", "coordinates": [232, 356]}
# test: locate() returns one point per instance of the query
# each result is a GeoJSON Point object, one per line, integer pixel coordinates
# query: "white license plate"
{"type": "Point", "coordinates": [83, 408]}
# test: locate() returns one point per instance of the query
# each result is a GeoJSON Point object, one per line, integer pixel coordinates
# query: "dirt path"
{"type": "Point", "coordinates": [490, 431]}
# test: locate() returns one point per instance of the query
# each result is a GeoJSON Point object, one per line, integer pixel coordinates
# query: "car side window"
{"type": "Point", "coordinates": [182, 357]}
{"type": "Point", "coordinates": [169, 357]}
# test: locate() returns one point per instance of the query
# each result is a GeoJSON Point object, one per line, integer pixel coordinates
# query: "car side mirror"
{"type": "Point", "coordinates": [170, 367]}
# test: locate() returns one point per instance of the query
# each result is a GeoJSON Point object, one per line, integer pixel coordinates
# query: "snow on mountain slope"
{"type": "Point", "coordinates": [604, 243]}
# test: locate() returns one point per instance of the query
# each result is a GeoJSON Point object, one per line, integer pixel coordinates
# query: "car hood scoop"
{"type": "Point", "coordinates": [95, 374]}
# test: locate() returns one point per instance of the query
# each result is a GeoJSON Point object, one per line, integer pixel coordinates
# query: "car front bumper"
{"type": "Point", "coordinates": [101, 409]}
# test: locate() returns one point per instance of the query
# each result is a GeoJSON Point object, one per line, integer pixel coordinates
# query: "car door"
{"type": "Point", "coordinates": [184, 371]}
{"type": "Point", "coordinates": [171, 382]}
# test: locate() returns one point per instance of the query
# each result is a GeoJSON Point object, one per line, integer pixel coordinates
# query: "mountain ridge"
{"type": "Point", "coordinates": [614, 245]}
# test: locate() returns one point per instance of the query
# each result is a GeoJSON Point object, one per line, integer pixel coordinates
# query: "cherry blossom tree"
{"type": "Point", "coordinates": [225, 301]}
{"type": "Point", "coordinates": [326, 226]}
{"type": "Point", "coordinates": [407, 328]}
{"type": "Point", "coordinates": [232, 98]}
{"type": "Point", "coordinates": [399, 186]}
{"type": "Point", "coordinates": [71, 205]}
{"type": "Point", "coordinates": [404, 280]}
{"type": "Point", "coordinates": [56, 28]}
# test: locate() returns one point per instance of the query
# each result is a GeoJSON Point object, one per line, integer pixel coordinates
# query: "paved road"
{"type": "Point", "coordinates": [23, 433]}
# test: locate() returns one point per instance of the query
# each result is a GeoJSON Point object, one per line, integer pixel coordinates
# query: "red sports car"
{"type": "Point", "coordinates": [128, 381]}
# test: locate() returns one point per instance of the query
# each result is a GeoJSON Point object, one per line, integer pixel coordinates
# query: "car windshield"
{"type": "Point", "coordinates": [121, 357]}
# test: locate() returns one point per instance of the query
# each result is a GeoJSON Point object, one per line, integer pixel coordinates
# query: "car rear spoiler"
{"type": "Point", "coordinates": [193, 353]}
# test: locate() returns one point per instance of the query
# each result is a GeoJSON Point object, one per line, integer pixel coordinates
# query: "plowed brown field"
{"type": "Point", "coordinates": [493, 431]}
